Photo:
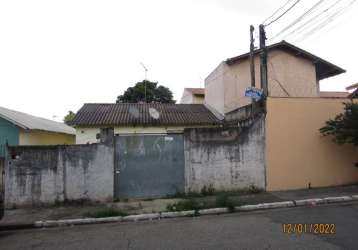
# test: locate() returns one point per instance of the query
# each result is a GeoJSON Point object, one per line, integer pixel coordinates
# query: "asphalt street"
{"type": "Point", "coordinates": [254, 230]}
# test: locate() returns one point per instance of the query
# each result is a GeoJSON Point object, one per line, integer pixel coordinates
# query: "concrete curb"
{"type": "Point", "coordinates": [165, 215]}
{"type": "Point", "coordinates": [309, 202]}
{"type": "Point", "coordinates": [262, 206]}
{"type": "Point", "coordinates": [214, 211]}
{"type": "Point", "coordinates": [191, 213]}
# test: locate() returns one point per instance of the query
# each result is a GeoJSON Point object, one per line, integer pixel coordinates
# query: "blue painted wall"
{"type": "Point", "coordinates": [8, 132]}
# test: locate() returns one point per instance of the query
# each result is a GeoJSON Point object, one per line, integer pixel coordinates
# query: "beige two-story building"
{"type": "Point", "coordinates": [292, 72]}
{"type": "Point", "coordinates": [296, 154]}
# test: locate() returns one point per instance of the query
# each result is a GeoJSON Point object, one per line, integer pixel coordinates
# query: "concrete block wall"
{"type": "Point", "coordinates": [225, 158]}
{"type": "Point", "coordinates": [89, 172]}
{"type": "Point", "coordinates": [38, 175]}
{"type": "Point", "coordinates": [222, 158]}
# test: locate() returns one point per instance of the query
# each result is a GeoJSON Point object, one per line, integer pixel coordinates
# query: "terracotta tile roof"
{"type": "Point", "coordinates": [153, 114]}
{"type": "Point", "coordinates": [196, 91]}
{"type": "Point", "coordinates": [333, 94]}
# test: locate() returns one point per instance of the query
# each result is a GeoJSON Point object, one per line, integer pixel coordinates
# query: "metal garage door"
{"type": "Point", "coordinates": [148, 166]}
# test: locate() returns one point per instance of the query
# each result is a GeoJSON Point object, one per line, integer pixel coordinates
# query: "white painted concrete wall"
{"type": "Point", "coordinates": [89, 174]}
{"type": "Point", "coordinates": [48, 174]}
{"type": "Point", "coordinates": [225, 159]}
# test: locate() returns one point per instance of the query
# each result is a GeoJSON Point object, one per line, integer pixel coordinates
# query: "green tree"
{"type": "Point", "coordinates": [151, 90]}
{"type": "Point", "coordinates": [69, 117]}
{"type": "Point", "coordinates": [344, 127]}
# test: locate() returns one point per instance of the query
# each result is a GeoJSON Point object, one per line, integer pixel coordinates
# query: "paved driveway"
{"type": "Point", "coordinates": [257, 230]}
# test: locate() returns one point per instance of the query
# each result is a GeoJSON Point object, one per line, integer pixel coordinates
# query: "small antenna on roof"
{"type": "Point", "coordinates": [145, 71]}
{"type": "Point", "coordinates": [145, 81]}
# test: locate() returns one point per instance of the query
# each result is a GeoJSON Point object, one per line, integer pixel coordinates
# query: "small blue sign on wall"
{"type": "Point", "coordinates": [254, 93]}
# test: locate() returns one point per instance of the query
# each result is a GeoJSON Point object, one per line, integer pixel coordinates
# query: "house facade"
{"type": "Point", "coordinates": [17, 128]}
{"type": "Point", "coordinates": [193, 96]}
{"type": "Point", "coordinates": [296, 154]}
{"type": "Point", "coordinates": [143, 151]}
{"type": "Point", "coordinates": [133, 118]}
{"type": "Point", "coordinates": [292, 72]}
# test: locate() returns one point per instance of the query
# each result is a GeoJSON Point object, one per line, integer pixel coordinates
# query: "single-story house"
{"type": "Point", "coordinates": [134, 118]}
{"type": "Point", "coordinates": [144, 151]}
{"type": "Point", "coordinates": [193, 96]}
{"type": "Point", "coordinates": [17, 128]}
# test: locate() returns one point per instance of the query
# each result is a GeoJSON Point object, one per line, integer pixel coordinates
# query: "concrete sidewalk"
{"type": "Point", "coordinates": [29, 215]}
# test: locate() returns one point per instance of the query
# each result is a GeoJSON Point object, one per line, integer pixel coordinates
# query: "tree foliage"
{"type": "Point", "coordinates": [69, 117]}
{"type": "Point", "coordinates": [344, 127]}
{"type": "Point", "coordinates": [154, 93]}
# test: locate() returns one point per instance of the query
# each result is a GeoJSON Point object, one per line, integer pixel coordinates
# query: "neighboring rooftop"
{"type": "Point", "coordinates": [196, 91]}
{"type": "Point", "coordinates": [333, 94]}
{"type": "Point", "coordinates": [132, 114]}
{"type": "Point", "coordinates": [353, 86]}
{"type": "Point", "coordinates": [324, 69]}
{"type": "Point", "coordinates": [30, 122]}
{"type": "Point", "coordinates": [354, 94]}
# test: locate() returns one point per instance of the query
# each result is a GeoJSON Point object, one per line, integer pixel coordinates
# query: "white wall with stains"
{"type": "Point", "coordinates": [225, 158]}
{"type": "Point", "coordinates": [38, 175]}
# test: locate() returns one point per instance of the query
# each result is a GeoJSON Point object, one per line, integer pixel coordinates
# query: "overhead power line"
{"type": "Point", "coordinates": [278, 10]}
{"type": "Point", "coordinates": [350, 8]}
{"type": "Point", "coordinates": [300, 18]}
{"type": "Point", "coordinates": [329, 19]}
{"type": "Point", "coordinates": [311, 21]}
{"type": "Point", "coordinates": [290, 8]}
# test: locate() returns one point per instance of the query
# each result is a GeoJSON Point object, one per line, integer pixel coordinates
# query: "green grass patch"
{"type": "Point", "coordinates": [225, 201]}
{"type": "Point", "coordinates": [106, 212]}
{"type": "Point", "coordinates": [185, 205]}
{"type": "Point", "coordinates": [210, 191]}
{"type": "Point", "coordinates": [221, 200]}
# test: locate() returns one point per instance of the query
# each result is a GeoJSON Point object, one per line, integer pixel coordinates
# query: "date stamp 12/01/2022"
{"type": "Point", "coordinates": [311, 228]}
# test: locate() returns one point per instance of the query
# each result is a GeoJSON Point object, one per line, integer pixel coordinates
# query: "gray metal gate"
{"type": "Point", "coordinates": [149, 165]}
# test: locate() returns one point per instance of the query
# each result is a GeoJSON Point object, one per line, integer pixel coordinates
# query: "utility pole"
{"type": "Point", "coordinates": [252, 66]}
{"type": "Point", "coordinates": [263, 60]}
{"type": "Point", "coordinates": [252, 58]}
